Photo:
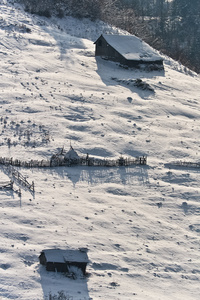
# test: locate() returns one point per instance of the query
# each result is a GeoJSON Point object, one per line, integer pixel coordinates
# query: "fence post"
{"type": "Point", "coordinates": [33, 186]}
{"type": "Point", "coordinates": [11, 184]}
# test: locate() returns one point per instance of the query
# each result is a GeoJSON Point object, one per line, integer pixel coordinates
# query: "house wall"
{"type": "Point", "coordinates": [61, 267]}
{"type": "Point", "coordinates": [42, 259]}
{"type": "Point", "coordinates": [104, 49]}
{"type": "Point", "coordinates": [137, 64]}
{"type": "Point", "coordinates": [56, 267]}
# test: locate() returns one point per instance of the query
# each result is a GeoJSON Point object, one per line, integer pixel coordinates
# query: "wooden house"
{"type": "Point", "coordinates": [128, 50]}
{"type": "Point", "coordinates": [58, 260]}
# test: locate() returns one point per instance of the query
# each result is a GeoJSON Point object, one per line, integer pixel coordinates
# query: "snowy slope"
{"type": "Point", "coordinates": [140, 224]}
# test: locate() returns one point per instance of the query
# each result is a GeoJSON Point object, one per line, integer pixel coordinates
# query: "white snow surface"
{"type": "Point", "coordinates": [140, 224]}
{"type": "Point", "coordinates": [131, 47]}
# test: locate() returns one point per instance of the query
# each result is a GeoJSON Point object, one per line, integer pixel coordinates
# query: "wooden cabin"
{"type": "Point", "coordinates": [128, 50]}
{"type": "Point", "coordinates": [58, 260]}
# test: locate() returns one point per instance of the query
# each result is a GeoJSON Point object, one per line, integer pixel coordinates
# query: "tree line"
{"type": "Point", "coordinates": [172, 27]}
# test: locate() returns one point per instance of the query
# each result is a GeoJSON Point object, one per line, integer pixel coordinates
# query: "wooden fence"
{"type": "Point", "coordinates": [57, 160]}
{"type": "Point", "coordinates": [82, 161]}
{"type": "Point", "coordinates": [8, 185]}
{"type": "Point", "coordinates": [17, 176]}
{"type": "Point", "coordinates": [21, 179]}
{"type": "Point", "coordinates": [113, 162]}
{"type": "Point", "coordinates": [185, 164]}
{"type": "Point", "coordinates": [27, 164]}
{"type": "Point", "coordinates": [86, 161]}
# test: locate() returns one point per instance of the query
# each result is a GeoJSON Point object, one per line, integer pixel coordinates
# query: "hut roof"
{"type": "Point", "coordinates": [62, 256]}
{"type": "Point", "coordinates": [132, 48]}
{"type": "Point", "coordinates": [71, 154]}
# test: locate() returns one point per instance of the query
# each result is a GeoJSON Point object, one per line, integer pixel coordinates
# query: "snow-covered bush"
{"type": "Point", "coordinates": [59, 296]}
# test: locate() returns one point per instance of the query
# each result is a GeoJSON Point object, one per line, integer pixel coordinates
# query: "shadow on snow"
{"type": "Point", "coordinates": [101, 175]}
{"type": "Point", "coordinates": [58, 286]}
{"type": "Point", "coordinates": [113, 75]}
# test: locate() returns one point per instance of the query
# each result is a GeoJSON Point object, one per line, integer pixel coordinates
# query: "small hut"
{"type": "Point", "coordinates": [128, 50]}
{"type": "Point", "coordinates": [71, 157]}
{"type": "Point", "coordinates": [58, 260]}
{"type": "Point", "coordinates": [58, 159]}
{"type": "Point", "coordinates": [63, 158]}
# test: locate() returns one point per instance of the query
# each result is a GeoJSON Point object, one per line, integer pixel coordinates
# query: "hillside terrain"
{"type": "Point", "coordinates": [140, 224]}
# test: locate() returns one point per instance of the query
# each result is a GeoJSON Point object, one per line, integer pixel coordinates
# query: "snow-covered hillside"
{"type": "Point", "coordinates": [140, 224]}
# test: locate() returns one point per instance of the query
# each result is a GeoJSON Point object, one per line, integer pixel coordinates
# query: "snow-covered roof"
{"type": "Point", "coordinates": [54, 255]}
{"type": "Point", "coordinates": [62, 256]}
{"type": "Point", "coordinates": [131, 47]}
{"type": "Point", "coordinates": [71, 154]}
